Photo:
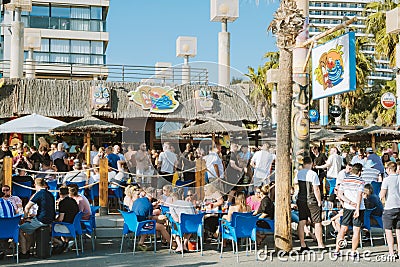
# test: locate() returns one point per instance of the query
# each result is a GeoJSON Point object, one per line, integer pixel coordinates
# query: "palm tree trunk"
{"type": "Point", "coordinates": [283, 237]}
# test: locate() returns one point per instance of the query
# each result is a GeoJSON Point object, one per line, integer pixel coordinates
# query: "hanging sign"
{"type": "Point", "coordinates": [155, 98]}
{"type": "Point", "coordinates": [101, 98]}
{"type": "Point", "coordinates": [204, 100]}
{"type": "Point", "coordinates": [335, 111]}
{"type": "Point", "coordinates": [334, 67]}
{"type": "Point", "coordinates": [388, 100]}
{"type": "Point", "coordinates": [313, 114]}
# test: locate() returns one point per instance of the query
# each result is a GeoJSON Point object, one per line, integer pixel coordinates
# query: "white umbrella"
{"type": "Point", "coordinates": [31, 124]}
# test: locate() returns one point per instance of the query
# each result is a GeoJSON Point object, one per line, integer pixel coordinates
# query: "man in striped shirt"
{"type": "Point", "coordinates": [350, 192]}
{"type": "Point", "coordinates": [6, 211]}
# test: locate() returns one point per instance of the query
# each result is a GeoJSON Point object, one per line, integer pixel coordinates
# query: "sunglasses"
{"type": "Point", "coordinates": [189, 195]}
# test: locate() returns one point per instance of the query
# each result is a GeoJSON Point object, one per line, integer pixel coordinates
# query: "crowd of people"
{"type": "Point", "coordinates": [239, 180]}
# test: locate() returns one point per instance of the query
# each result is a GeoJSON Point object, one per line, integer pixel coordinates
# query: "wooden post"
{"type": "Point", "coordinates": [103, 187]}
{"type": "Point", "coordinates": [200, 178]}
{"type": "Point", "coordinates": [7, 171]}
{"type": "Point", "coordinates": [373, 142]}
{"type": "Point", "coordinates": [88, 145]}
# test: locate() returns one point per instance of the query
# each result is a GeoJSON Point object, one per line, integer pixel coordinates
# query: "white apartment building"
{"type": "Point", "coordinates": [74, 37]}
{"type": "Point", "coordinates": [331, 13]}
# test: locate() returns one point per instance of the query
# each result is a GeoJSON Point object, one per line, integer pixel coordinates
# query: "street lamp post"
{"type": "Point", "coordinates": [17, 36]}
{"type": "Point", "coordinates": [393, 26]}
{"type": "Point", "coordinates": [32, 42]}
{"type": "Point", "coordinates": [273, 76]}
{"type": "Point", "coordinates": [186, 47]}
{"type": "Point", "coordinates": [224, 11]}
{"type": "Point", "coordinates": [287, 23]}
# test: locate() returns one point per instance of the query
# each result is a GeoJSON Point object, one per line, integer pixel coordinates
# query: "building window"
{"type": "Point", "coordinates": [60, 58]}
{"type": "Point", "coordinates": [60, 12]}
{"type": "Point", "coordinates": [97, 48]}
{"type": "Point", "coordinates": [59, 45]}
{"type": "Point", "coordinates": [80, 59]}
{"type": "Point", "coordinates": [96, 13]}
{"type": "Point", "coordinates": [80, 47]}
{"type": "Point", "coordinates": [41, 11]}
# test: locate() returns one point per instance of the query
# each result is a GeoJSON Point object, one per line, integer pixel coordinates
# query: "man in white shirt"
{"type": "Point", "coordinates": [390, 195]}
{"type": "Point", "coordinates": [215, 168]}
{"type": "Point", "coordinates": [261, 162]}
{"type": "Point", "coordinates": [350, 192]}
{"type": "Point", "coordinates": [166, 162]}
{"type": "Point", "coordinates": [77, 175]}
{"type": "Point", "coordinates": [334, 164]}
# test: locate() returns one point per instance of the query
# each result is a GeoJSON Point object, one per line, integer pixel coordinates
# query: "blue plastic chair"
{"type": "Point", "coordinates": [116, 193]}
{"type": "Point", "coordinates": [22, 192]}
{"type": "Point", "coordinates": [73, 228]}
{"type": "Point", "coordinates": [80, 185]}
{"type": "Point", "coordinates": [245, 227]}
{"type": "Point", "coordinates": [89, 226]}
{"type": "Point", "coordinates": [164, 209]}
{"type": "Point", "coordinates": [232, 222]}
{"type": "Point", "coordinates": [368, 225]}
{"type": "Point", "coordinates": [377, 187]}
{"type": "Point", "coordinates": [271, 224]}
{"type": "Point", "coordinates": [132, 225]}
{"type": "Point", "coordinates": [332, 185]}
{"type": "Point", "coordinates": [189, 224]}
{"type": "Point", "coordinates": [9, 228]}
{"type": "Point", "coordinates": [94, 192]}
{"type": "Point", "coordinates": [53, 186]}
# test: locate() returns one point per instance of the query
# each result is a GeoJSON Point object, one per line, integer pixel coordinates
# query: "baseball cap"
{"type": "Point", "coordinates": [369, 150]}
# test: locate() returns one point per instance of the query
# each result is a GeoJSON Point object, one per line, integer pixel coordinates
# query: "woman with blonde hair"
{"type": "Point", "coordinates": [266, 208]}
{"type": "Point", "coordinates": [240, 206]}
{"type": "Point", "coordinates": [131, 194]}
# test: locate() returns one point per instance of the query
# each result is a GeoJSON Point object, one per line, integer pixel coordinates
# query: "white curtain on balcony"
{"type": "Point", "coordinates": [80, 18]}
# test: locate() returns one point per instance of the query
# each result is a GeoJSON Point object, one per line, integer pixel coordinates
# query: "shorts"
{"type": "Point", "coordinates": [304, 211]}
{"type": "Point", "coordinates": [348, 220]}
{"type": "Point", "coordinates": [391, 219]}
{"type": "Point", "coordinates": [309, 210]}
{"type": "Point", "coordinates": [315, 212]}
{"type": "Point", "coordinates": [30, 227]}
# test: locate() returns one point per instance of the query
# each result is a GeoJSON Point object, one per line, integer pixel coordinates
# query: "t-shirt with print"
{"type": "Point", "coordinates": [392, 185]}
{"type": "Point", "coordinates": [306, 180]}
{"type": "Point", "coordinates": [351, 186]}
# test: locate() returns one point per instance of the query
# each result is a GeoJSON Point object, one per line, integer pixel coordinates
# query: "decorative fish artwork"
{"type": "Point", "coordinates": [155, 98]}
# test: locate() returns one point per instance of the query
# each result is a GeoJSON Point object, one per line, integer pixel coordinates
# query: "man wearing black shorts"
{"type": "Point", "coordinates": [350, 192]}
{"type": "Point", "coordinates": [309, 203]}
{"type": "Point", "coordinates": [390, 194]}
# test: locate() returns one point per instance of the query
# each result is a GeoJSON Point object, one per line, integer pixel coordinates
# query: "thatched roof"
{"type": "Point", "coordinates": [88, 124]}
{"type": "Point", "coordinates": [325, 135]}
{"type": "Point", "coordinates": [65, 98]}
{"type": "Point", "coordinates": [381, 134]}
{"type": "Point", "coordinates": [211, 127]}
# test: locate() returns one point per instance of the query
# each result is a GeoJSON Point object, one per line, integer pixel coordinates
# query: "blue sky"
{"type": "Point", "coordinates": [143, 32]}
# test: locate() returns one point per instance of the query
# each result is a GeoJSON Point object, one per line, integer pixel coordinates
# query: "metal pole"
{"type": "Point", "coordinates": [224, 55]}
{"type": "Point", "coordinates": [186, 71]}
{"type": "Point", "coordinates": [30, 66]}
{"type": "Point", "coordinates": [17, 46]}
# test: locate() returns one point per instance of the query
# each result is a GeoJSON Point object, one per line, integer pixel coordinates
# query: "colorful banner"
{"type": "Point", "coordinates": [155, 98]}
{"type": "Point", "coordinates": [334, 67]}
{"type": "Point", "coordinates": [101, 98]}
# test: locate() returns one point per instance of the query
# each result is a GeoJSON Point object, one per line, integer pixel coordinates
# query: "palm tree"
{"type": "Point", "coordinates": [376, 24]}
{"type": "Point", "coordinates": [261, 94]}
{"type": "Point", "coordinates": [286, 25]}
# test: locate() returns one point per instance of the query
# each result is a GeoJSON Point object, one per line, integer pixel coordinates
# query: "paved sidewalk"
{"type": "Point", "coordinates": [107, 254]}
